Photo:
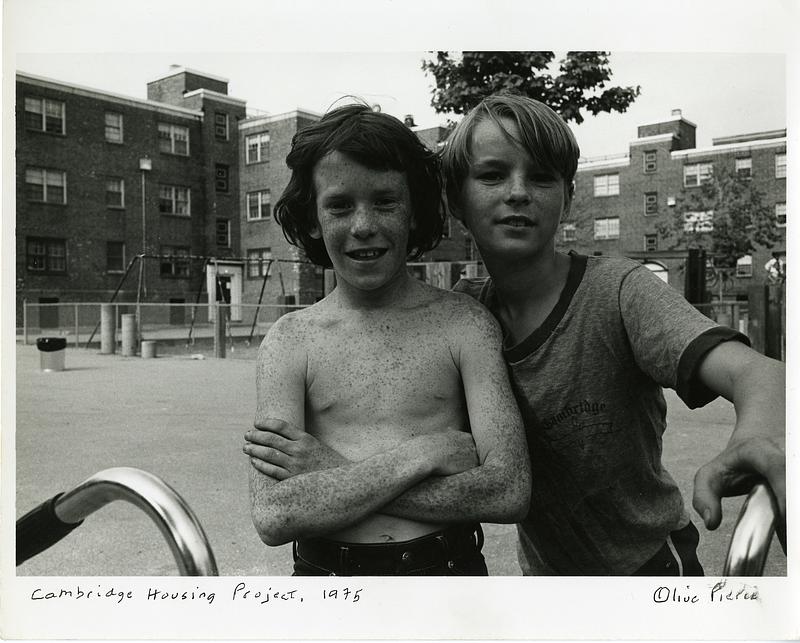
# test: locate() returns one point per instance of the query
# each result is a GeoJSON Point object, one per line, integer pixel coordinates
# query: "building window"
{"type": "Point", "coordinates": [45, 115]}
{"type": "Point", "coordinates": [44, 255]}
{"type": "Point", "coordinates": [221, 126]}
{"type": "Point", "coordinates": [257, 147]}
{"type": "Point", "coordinates": [46, 186]}
{"type": "Point", "coordinates": [115, 256]}
{"type": "Point", "coordinates": [223, 233]}
{"type": "Point", "coordinates": [258, 205]}
{"type": "Point", "coordinates": [698, 221]}
{"type": "Point", "coordinates": [258, 261]}
{"type": "Point", "coordinates": [113, 127]}
{"type": "Point", "coordinates": [173, 199]}
{"type": "Point", "coordinates": [568, 232]}
{"type": "Point", "coordinates": [115, 193]}
{"type": "Point", "coordinates": [221, 177]}
{"type": "Point", "coordinates": [173, 139]}
{"type": "Point", "coordinates": [606, 185]}
{"type": "Point", "coordinates": [744, 266]}
{"type": "Point", "coordinates": [650, 203]}
{"type": "Point", "coordinates": [780, 214]}
{"type": "Point", "coordinates": [174, 261]}
{"type": "Point", "coordinates": [649, 161]}
{"type": "Point", "coordinates": [744, 167]}
{"type": "Point", "coordinates": [606, 228]}
{"type": "Point", "coordinates": [696, 174]}
{"type": "Point", "coordinates": [650, 242]}
{"type": "Point", "coordinates": [780, 166]}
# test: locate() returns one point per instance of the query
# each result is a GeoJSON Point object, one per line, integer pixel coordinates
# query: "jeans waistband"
{"type": "Point", "coordinates": [438, 549]}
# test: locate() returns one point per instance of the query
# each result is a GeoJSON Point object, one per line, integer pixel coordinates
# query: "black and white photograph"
{"type": "Point", "coordinates": [302, 302]}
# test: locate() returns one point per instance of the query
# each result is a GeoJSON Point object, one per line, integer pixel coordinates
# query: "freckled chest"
{"type": "Point", "coordinates": [389, 374]}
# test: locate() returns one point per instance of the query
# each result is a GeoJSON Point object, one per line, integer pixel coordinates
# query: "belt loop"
{"type": "Point", "coordinates": [479, 534]}
{"type": "Point", "coordinates": [344, 559]}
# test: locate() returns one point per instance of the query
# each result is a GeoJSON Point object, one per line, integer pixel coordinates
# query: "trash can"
{"type": "Point", "coordinates": [148, 348]}
{"type": "Point", "coordinates": [52, 351]}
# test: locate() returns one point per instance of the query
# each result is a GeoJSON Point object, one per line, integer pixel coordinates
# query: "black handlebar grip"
{"type": "Point", "coordinates": [40, 529]}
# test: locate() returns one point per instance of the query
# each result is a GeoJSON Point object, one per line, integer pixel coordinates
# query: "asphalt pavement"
{"type": "Point", "coordinates": [182, 417]}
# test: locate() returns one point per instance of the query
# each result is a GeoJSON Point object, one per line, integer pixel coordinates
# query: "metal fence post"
{"type": "Point", "coordinates": [77, 327]}
{"type": "Point", "coordinates": [24, 322]}
{"type": "Point", "coordinates": [219, 331]}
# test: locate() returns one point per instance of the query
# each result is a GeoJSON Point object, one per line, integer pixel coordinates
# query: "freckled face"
{"type": "Point", "coordinates": [364, 219]}
{"type": "Point", "coordinates": [510, 204]}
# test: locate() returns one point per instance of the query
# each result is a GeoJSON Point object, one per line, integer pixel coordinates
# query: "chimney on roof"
{"type": "Point", "coordinates": [409, 120]}
{"type": "Point", "coordinates": [683, 131]}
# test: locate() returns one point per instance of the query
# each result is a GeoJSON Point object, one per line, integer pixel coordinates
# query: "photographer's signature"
{"type": "Point", "coordinates": [720, 592]}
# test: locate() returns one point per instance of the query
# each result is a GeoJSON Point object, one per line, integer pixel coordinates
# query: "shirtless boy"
{"type": "Point", "coordinates": [405, 381]}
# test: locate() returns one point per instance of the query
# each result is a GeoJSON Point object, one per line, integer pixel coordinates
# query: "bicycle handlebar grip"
{"type": "Point", "coordinates": [752, 533]}
{"type": "Point", "coordinates": [40, 529]}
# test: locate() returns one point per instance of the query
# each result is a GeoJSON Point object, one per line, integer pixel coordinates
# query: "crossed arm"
{"type": "Point", "coordinates": [443, 477]}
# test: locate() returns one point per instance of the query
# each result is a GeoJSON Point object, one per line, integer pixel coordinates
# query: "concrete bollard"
{"type": "Point", "coordinates": [148, 348]}
{"type": "Point", "coordinates": [108, 330]}
{"type": "Point", "coordinates": [128, 335]}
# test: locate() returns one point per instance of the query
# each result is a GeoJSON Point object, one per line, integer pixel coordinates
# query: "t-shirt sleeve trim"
{"type": "Point", "coordinates": [689, 388]}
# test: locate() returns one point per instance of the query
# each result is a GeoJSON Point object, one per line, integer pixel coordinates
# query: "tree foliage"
{"type": "Point", "coordinates": [741, 219]}
{"type": "Point", "coordinates": [463, 79]}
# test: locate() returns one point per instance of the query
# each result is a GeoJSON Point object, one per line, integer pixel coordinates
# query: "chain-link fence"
{"type": "Point", "coordinates": [191, 328]}
{"type": "Point", "coordinates": [177, 328]}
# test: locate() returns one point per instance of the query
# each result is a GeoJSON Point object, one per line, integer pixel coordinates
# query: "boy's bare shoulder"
{"type": "Point", "coordinates": [463, 312]}
{"type": "Point", "coordinates": [295, 326]}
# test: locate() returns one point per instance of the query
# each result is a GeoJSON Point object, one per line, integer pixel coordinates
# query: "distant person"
{"type": "Point", "coordinates": [405, 380]}
{"type": "Point", "coordinates": [590, 342]}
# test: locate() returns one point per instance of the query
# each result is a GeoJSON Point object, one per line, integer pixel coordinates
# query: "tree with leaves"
{"type": "Point", "coordinates": [726, 215]}
{"type": "Point", "coordinates": [463, 79]}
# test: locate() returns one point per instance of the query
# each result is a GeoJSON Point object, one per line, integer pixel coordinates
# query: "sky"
{"type": "Point", "coordinates": [727, 81]}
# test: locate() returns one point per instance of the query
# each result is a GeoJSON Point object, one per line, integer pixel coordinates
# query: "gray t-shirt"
{"type": "Point", "coordinates": [589, 384]}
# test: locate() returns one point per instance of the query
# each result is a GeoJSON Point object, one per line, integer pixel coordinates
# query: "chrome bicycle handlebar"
{"type": "Point", "coordinates": [752, 534]}
{"type": "Point", "coordinates": [157, 499]}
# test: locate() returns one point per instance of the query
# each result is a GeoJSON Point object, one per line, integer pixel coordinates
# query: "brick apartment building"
{"type": "Point", "coordinates": [185, 178]}
{"type": "Point", "coordinates": [619, 200]}
{"type": "Point", "coordinates": [102, 178]}
{"type": "Point", "coordinates": [275, 271]}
